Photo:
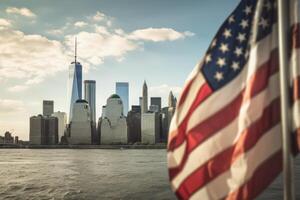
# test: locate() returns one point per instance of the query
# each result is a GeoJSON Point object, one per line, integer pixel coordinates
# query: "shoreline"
{"type": "Point", "coordinates": [141, 146]}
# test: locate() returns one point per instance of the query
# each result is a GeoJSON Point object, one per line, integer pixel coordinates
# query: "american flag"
{"type": "Point", "coordinates": [225, 136]}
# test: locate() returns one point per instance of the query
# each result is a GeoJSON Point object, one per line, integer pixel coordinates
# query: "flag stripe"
{"type": "Point", "coordinates": [220, 98]}
{"type": "Point", "coordinates": [208, 127]}
{"type": "Point", "coordinates": [228, 136]}
{"type": "Point", "coordinates": [296, 36]}
{"type": "Point", "coordinates": [203, 93]}
{"type": "Point", "coordinates": [222, 162]}
{"type": "Point", "coordinates": [243, 168]}
{"type": "Point", "coordinates": [262, 177]}
{"type": "Point", "coordinates": [257, 49]}
{"type": "Point", "coordinates": [296, 89]}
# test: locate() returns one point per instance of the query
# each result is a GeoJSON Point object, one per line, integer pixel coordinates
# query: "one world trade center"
{"type": "Point", "coordinates": [75, 82]}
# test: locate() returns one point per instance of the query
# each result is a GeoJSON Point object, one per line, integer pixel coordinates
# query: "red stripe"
{"type": "Point", "coordinates": [203, 93]}
{"type": "Point", "coordinates": [221, 119]}
{"type": "Point", "coordinates": [263, 176]}
{"type": "Point", "coordinates": [296, 89]}
{"type": "Point", "coordinates": [296, 36]}
{"type": "Point", "coordinates": [296, 142]}
{"type": "Point", "coordinates": [222, 162]}
{"type": "Point", "coordinates": [185, 91]}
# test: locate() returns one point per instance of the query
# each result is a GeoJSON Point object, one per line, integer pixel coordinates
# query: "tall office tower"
{"type": "Point", "coordinates": [141, 101]}
{"type": "Point", "coordinates": [172, 101]}
{"type": "Point", "coordinates": [156, 101]}
{"type": "Point", "coordinates": [145, 98]}
{"type": "Point", "coordinates": [43, 130]}
{"type": "Point", "coordinates": [75, 82]}
{"type": "Point", "coordinates": [62, 123]}
{"type": "Point", "coordinates": [122, 90]}
{"type": "Point", "coordinates": [80, 125]}
{"type": "Point", "coordinates": [113, 127]}
{"type": "Point", "coordinates": [48, 107]}
{"type": "Point", "coordinates": [134, 124]}
{"type": "Point", "coordinates": [90, 97]}
{"type": "Point", "coordinates": [150, 128]}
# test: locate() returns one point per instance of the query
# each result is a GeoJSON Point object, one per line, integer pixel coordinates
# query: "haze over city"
{"type": "Point", "coordinates": [129, 42]}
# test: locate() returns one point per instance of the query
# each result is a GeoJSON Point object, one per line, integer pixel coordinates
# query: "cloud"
{"type": "Point", "coordinates": [4, 22]}
{"type": "Point", "coordinates": [80, 24]}
{"type": "Point", "coordinates": [55, 31]}
{"type": "Point", "coordinates": [99, 16]}
{"type": "Point", "coordinates": [93, 47]}
{"type": "Point", "coordinates": [158, 34]}
{"type": "Point", "coordinates": [18, 88]}
{"type": "Point", "coordinates": [20, 11]}
{"type": "Point", "coordinates": [29, 57]}
{"type": "Point", "coordinates": [101, 30]}
{"type": "Point", "coordinates": [8, 106]}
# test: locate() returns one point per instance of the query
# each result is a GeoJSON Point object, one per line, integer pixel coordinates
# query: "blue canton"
{"type": "Point", "coordinates": [229, 51]}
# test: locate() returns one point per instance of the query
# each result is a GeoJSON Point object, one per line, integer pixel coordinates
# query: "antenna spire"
{"type": "Point", "coordinates": [75, 49]}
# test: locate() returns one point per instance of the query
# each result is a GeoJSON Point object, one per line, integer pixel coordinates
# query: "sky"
{"type": "Point", "coordinates": [159, 41]}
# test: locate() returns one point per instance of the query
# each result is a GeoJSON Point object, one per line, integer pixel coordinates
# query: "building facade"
{"type": "Point", "coordinates": [62, 123]}
{"type": "Point", "coordinates": [145, 98]}
{"type": "Point", "coordinates": [122, 89]}
{"type": "Point", "coordinates": [43, 130]}
{"type": "Point", "coordinates": [90, 97]}
{"type": "Point", "coordinates": [75, 85]}
{"type": "Point", "coordinates": [150, 128]}
{"type": "Point", "coordinates": [156, 101]}
{"type": "Point", "coordinates": [48, 107]}
{"type": "Point", "coordinates": [134, 124]}
{"type": "Point", "coordinates": [113, 127]}
{"type": "Point", "coordinates": [80, 125]}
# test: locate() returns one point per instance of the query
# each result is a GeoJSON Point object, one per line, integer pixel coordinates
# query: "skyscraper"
{"type": "Point", "coordinates": [156, 101]}
{"type": "Point", "coordinates": [48, 107]}
{"type": "Point", "coordinates": [145, 98]}
{"type": "Point", "coordinates": [75, 82]}
{"type": "Point", "coordinates": [90, 97]}
{"type": "Point", "coordinates": [122, 90]}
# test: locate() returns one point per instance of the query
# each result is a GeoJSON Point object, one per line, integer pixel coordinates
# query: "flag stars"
{"type": "Point", "coordinates": [248, 10]}
{"type": "Point", "coordinates": [241, 37]}
{"type": "Point", "coordinates": [231, 19]}
{"type": "Point", "coordinates": [224, 48]}
{"type": "Point", "coordinates": [227, 33]}
{"type": "Point", "coordinates": [264, 23]}
{"type": "Point", "coordinates": [244, 23]}
{"type": "Point", "coordinates": [221, 62]}
{"type": "Point", "coordinates": [219, 76]}
{"type": "Point", "coordinates": [235, 66]}
{"type": "Point", "coordinates": [238, 51]}
{"type": "Point", "coordinates": [207, 58]}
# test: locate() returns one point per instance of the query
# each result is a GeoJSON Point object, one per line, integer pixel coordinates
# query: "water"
{"type": "Point", "coordinates": [91, 174]}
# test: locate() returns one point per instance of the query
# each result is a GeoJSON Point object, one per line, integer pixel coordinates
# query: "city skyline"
{"type": "Point", "coordinates": [127, 48]}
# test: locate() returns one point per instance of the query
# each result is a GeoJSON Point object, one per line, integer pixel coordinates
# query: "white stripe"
{"type": "Point", "coordinates": [251, 111]}
{"type": "Point", "coordinates": [296, 115]}
{"type": "Point", "coordinates": [295, 63]}
{"type": "Point", "coordinates": [182, 111]}
{"type": "Point", "coordinates": [175, 157]}
{"type": "Point", "coordinates": [259, 55]}
{"type": "Point", "coordinates": [242, 169]}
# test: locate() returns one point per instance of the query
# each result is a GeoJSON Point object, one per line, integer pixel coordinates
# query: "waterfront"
{"type": "Point", "coordinates": [92, 174]}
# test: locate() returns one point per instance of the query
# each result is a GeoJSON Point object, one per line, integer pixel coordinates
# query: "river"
{"type": "Point", "coordinates": [92, 174]}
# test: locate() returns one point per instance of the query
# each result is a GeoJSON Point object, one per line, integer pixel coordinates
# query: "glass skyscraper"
{"type": "Point", "coordinates": [90, 97]}
{"type": "Point", "coordinates": [122, 89]}
{"type": "Point", "coordinates": [75, 85]}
